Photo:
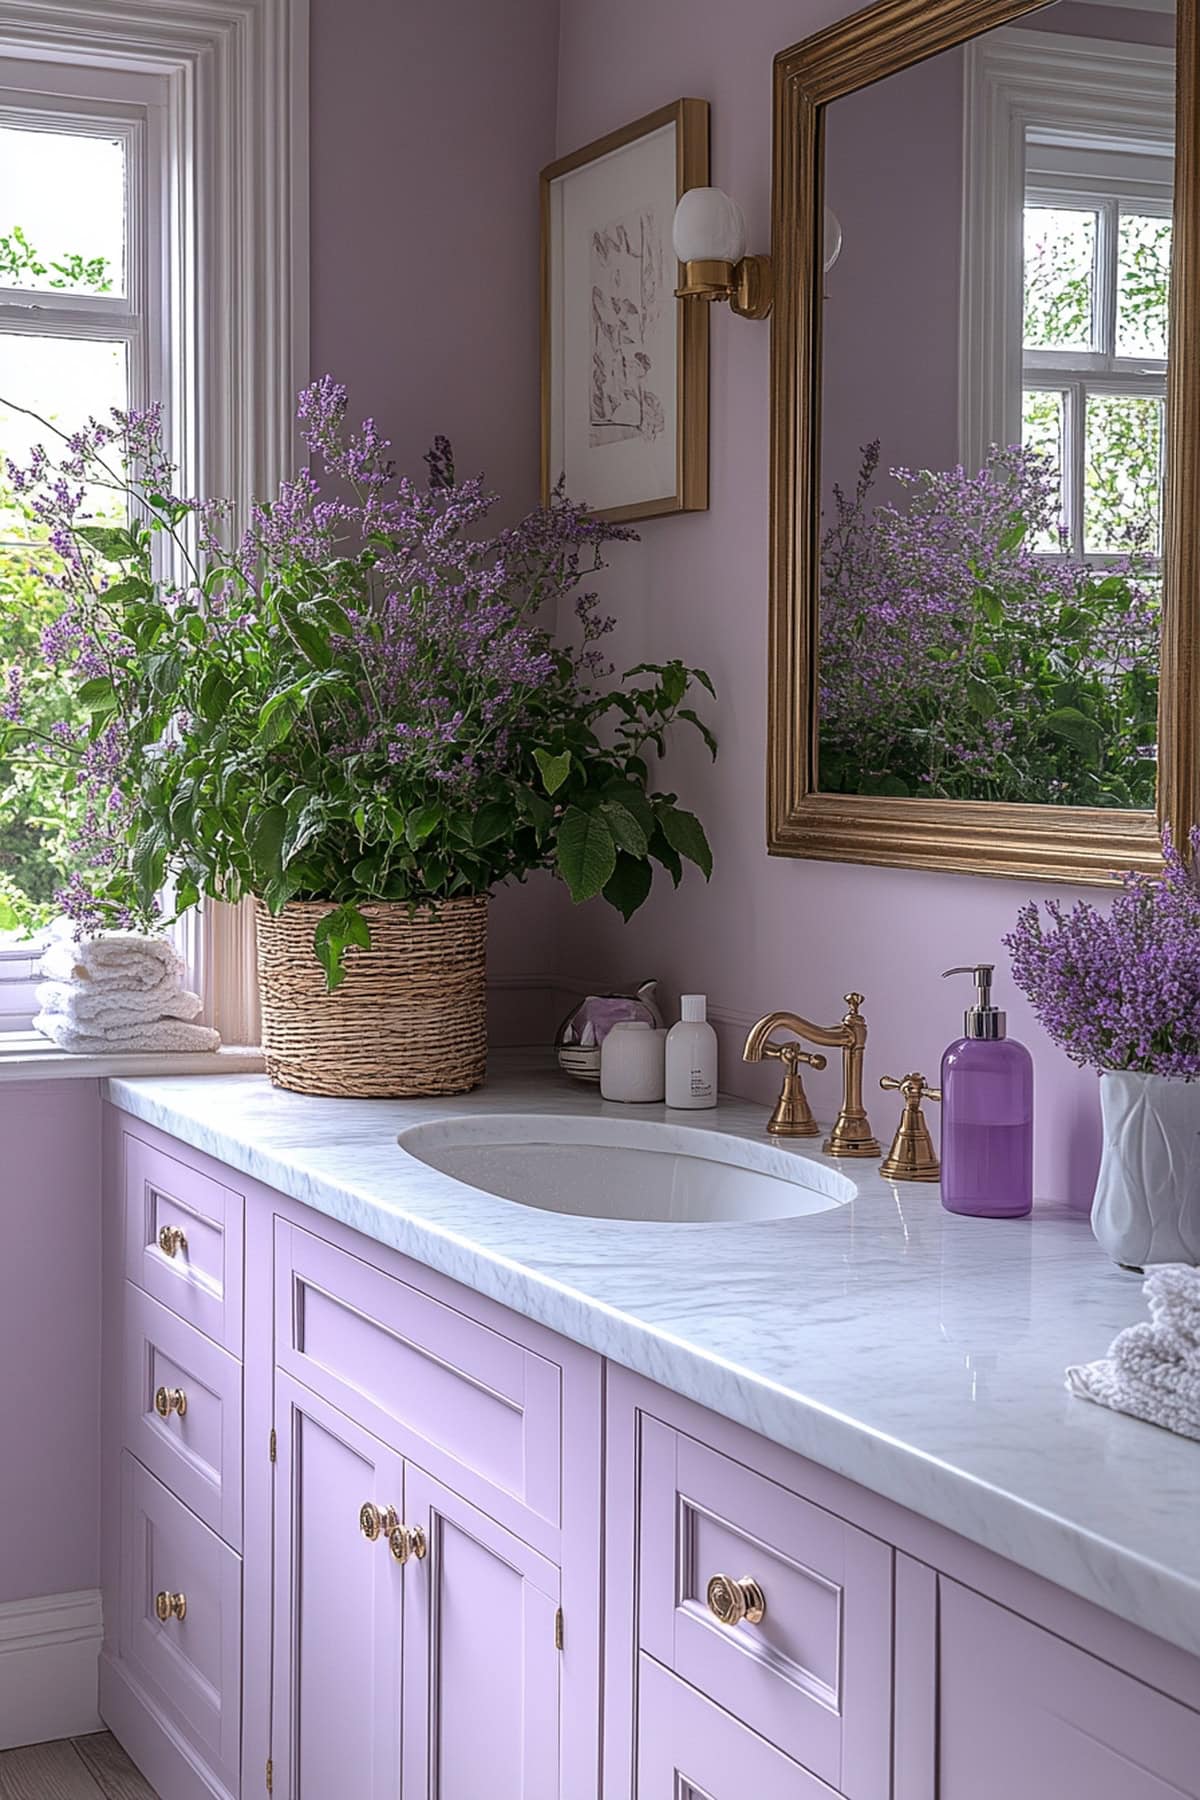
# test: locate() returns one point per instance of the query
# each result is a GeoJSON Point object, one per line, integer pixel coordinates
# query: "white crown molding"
{"type": "Point", "coordinates": [1012, 85]}
{"type": "Point", "coordinates": [49, 1668]}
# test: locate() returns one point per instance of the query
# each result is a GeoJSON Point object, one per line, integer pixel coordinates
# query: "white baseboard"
{"type": "Point", "coordinates": [49, 1668]}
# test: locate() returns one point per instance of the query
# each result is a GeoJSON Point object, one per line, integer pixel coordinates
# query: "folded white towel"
{"type": "Point", "coordinates": [1173, 1290]}
{"type": "Point", "coordinates": [95, 1009]}
{"type": "Point", "coordinates": [130, 960]}
{"type": "Point", "coordinates": [1152, 1370]}
{"type": "Point", "coordinates": [145, 1034]}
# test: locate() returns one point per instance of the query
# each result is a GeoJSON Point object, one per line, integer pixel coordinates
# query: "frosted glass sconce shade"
{"type": "Point", "coordinates": [709, 227]}
{"type": "Point", "coordinates": [710, 242]}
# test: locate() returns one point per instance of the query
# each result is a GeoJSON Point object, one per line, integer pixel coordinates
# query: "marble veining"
{"type": "Point", "coordinates": [916, 1352]}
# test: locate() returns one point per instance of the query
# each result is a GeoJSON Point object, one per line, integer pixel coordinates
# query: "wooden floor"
{"type": "Point", "coordinates": [86, 1768]}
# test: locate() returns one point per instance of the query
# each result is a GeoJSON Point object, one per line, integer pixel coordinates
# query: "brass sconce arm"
{"type": "Point", "coordinates": [748, 284]}
{"type": "Point", "coordinates": [851, 1134]}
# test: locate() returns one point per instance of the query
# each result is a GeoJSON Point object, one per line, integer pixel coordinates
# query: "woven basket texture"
{"type": "Point", "coordinates": [410, 1019]}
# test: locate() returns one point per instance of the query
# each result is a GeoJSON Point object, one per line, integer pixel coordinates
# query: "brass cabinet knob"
{"type": "Point", "coordinates": [172, 1239]}
{"type": "Point", "coordinates": [169, 1400]}
{"type": "Point", "coordinates": [731, 1601]}
{"type": "Point", "coordinates": [170, 1606]}
{"type": "Point", "coordinates": [406, 1541]}
{"type": "Point", "coordinates": [375, 1522]}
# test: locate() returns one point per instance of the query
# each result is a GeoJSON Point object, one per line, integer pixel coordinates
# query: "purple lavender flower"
{"type": "Point", "coordinates": [1120, 989]}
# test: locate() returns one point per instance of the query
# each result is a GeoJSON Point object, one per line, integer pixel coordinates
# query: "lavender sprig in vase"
{"type": "Point", "coordinates": [1119, 990]}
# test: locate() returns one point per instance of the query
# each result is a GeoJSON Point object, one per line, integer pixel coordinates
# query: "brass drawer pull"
{"type": "Point", "coordinates": [405, 1541]}
{"type": "Point", "coordinates": [169, 1400]}
{"type": "Point", "coordinates": [170, 1606]}
{"type": "Point", "coordinates": [374, 1523]}
{"type": "Point", "coordinates": [172, 1239]}
{"type": "Point", "coordinates": [731, 1601]}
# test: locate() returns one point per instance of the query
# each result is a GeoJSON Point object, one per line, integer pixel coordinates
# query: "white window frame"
{"type": "Point", "coordinates": [1118, 93]}
{"type": "Point", "coordinates": [233, 76]}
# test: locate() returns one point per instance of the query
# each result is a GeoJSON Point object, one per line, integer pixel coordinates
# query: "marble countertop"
{"type": "Point", "coordinates": [915, 1352]}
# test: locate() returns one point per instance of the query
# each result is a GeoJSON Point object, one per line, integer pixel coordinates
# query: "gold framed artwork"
{"type": "Point", "coordinates": [624, 362]}
{"type": "Point", "coordinates": [1031, 710]}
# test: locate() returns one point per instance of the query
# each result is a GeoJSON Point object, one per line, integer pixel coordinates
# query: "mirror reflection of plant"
{"type": "Point", "coordinates": [958, 663]}
{"type": "Point", "coordinates": [355, 701]}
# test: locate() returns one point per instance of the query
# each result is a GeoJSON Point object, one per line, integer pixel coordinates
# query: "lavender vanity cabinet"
{"type": "Point", "coordinates": [548, 1633]}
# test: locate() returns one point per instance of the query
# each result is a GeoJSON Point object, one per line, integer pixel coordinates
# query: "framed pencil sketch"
{"type": "Point", "coordinates": [624, 363]}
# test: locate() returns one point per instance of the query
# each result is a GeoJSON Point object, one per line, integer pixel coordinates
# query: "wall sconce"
{"type": "Point", "coordinates": [710, 242]}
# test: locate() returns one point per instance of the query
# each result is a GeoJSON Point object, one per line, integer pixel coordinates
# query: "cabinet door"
{"type": "Point", "coordinates": [1022, 1713]}
{"type": "Point", "coordinates": [481, 1667]}
{"type": "Point", "coordinates": [338, 1607]}
{"type": "Point", "coordinates": [688, 1749]}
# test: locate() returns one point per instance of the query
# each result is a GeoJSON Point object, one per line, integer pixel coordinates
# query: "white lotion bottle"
{"type": "Point", "coordinates": [692, 1056]}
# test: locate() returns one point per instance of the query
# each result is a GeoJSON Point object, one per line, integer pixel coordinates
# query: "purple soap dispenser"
{"type": "Point", "coordinates": [987, 1113]}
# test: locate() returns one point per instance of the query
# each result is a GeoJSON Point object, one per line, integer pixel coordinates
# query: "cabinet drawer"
{"type": "Point", "coordinates": [1021, 1712]}
{"type": "Point", "coordinates": [189, 1667]}
{"type": "Point", "coordinates": [199, 1274]}
{"type": "Point", "coordinates": [813, 1674]}
{"type": "Point", "coordinates": [688, 1749]}
{"type": "Point", "coordinates": [196, 1446]}
{"type": "Point", "coordinates": [390, 1356]}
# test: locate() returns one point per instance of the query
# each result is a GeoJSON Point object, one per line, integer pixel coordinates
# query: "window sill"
{"type": "Point", "coordinates": [27, 1056]}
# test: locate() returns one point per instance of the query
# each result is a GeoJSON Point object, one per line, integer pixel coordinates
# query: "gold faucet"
{"type": "Point", "coordinates": [851, 1134]}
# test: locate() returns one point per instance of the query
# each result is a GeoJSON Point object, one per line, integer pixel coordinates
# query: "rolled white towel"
{"type": "Point", "coordinates": [91, 1008]}
{"type": "Point", "coordinates": [147, 1034]}
{"type": "Point", "coordinates": [131, 960]}
{"type": "Point", "coordinates": [1139, 1354]}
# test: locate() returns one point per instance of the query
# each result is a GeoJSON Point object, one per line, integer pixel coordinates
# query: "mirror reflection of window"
{"type": "Point", "coordinates": [993, 482]}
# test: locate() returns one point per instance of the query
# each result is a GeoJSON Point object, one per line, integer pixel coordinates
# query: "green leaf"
{"type": "Point", "coordinates": [586, 853]}
{"type": "Point", "coordinates": [423, 822]}
{"type": "Point", "coordinates": [990, 605]}
{"type": "Point", "coordinates": [112, 542]}
{"type": "Point", "coordinates": [1069, 723]}
{"type": "Point", "coordinates": [216, 691]}
{"type": "Point", "coordinates": [1014, 535]}
{"type": "Point", "coordinates": [266, 836]}
{"type": "Point", "coordinates": [277, 717]}
{"type": "Point", "coordinates": [674, 683]}
{"type": "Point", "coordinates": [334, 935]}
{"type": "Point", "coordinates": [312, 641]}
{"type": "Point", "coordinates": [97, 695]}
{"type": "Point", "coordinates": [663, 853]}
{"type": "Point", "coordinates": [554, 769]}
{"type": "Point", "coordinates": [307, 824]}
{"type": "Point", "coordinates": [693, 718]}
{"type": "Point", "coordinates": [684, 832]}
{"type": "Point", "coordinates": [628, 831]}
{"type": "Point", "coordinates": [491, 822]}
{"type": "Point", "coordinates": [982, 697]}
{"type": "Point", "coordinates": [629, 884]}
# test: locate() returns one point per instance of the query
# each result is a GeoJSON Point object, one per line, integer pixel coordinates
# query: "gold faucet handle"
{"type": "Point", "coordinates": [793, 1054]}
{"type": "Point", "coordinates": [912, 1156]}
{"type": "Point", "coordinates": [914, 1087]}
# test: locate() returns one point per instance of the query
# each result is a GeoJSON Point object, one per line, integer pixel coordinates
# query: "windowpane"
{"type": "Point", "coordinates": [1043, 428]}
{"type": "Point", "coordinates": [65, 380]}
{"type": "Point", "coordinates": [1060, 263]}
{"type": "Point", "coordinates": [1122, 499]}
{"type": "Point", "coordinates": [1143, 284]}
{"type": "Point", "coordinates": [63, 221]}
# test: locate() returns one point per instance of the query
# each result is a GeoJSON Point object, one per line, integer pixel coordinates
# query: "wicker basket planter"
{"type": "Point", "coordinates": [410, 1018]}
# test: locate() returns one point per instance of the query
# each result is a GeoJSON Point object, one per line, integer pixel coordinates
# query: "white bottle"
{"type": "Point", "coordinates": [692, 1056]}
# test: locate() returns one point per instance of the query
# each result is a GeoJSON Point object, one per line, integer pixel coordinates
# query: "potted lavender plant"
{"type": "Point", "coordinates": [1119, 990]}
{"type": "Point", "coordinates": [354, 711]}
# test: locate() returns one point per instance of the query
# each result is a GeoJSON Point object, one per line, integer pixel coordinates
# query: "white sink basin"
{"type": "Point", "coordinates": [604, 1168]}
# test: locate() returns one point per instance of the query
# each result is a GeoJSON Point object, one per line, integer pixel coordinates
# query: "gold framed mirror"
{"type": "Point", "coordinates": [991, 666]}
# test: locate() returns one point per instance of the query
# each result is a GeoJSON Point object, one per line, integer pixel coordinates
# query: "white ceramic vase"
{"type": "Point", "coordinates": [1147, 1204]}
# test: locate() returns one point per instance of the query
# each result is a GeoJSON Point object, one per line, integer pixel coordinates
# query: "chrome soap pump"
{"type": "Point", "coordinates": [987, 1113]}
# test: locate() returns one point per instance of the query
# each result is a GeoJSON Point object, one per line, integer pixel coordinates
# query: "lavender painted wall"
{"type": "Point", "coordinates": [429, 124]}
{"type": "Point", "coordinates": [770, 931]}
{"type": "Point", "coordinates": [49, 1338]}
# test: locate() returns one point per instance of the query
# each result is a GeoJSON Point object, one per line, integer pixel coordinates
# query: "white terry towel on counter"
{"type": "Point", "coordinates": [121, 1040]}
{"type": "Point", "coordinates": [128, 960]}
{"type": "Point", "coordinates": [1152, 1370]}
